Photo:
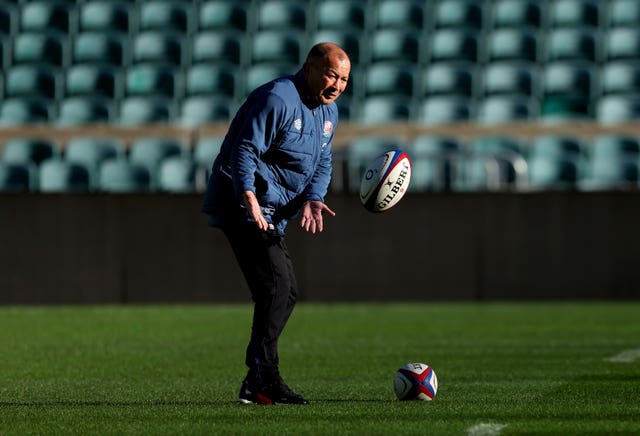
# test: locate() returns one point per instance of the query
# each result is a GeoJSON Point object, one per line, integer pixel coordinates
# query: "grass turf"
{"type": "Point", "coordinates": [176, 370]}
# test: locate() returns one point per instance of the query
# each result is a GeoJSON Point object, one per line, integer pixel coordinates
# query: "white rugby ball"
{"type": "Point", "coordinates": [385, 181]}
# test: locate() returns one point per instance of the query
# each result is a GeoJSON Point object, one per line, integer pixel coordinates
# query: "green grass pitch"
{"type": "Point", "coordinates": [503, 369]}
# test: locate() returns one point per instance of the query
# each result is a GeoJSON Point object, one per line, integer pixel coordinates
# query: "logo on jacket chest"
{"type": "Point", "coordinates": [328, 129]}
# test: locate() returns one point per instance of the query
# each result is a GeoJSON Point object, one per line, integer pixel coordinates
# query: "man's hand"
{"type": "Point", "coordinates": [312, 215]}
{"type": "Point", "coordinates": [251, 202]}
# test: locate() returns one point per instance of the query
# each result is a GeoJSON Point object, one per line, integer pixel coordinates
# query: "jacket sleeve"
{"type": "Point", "coordinates": [317, 188]}
{"type": "Point", "coordinates": [262, 123]}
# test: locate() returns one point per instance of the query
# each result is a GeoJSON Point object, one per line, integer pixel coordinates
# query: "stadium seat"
{"type": "Point", "coordinates": [362, 151]}
{"type": "Point", "coordinates": [26, 110]}
{"type": "Point", "coordinates": [223, 15]}
{"type": "Point", "coordinates": [152, 80]}
{"type": "Point", "coordinates": [624, 13]}
{"type": "Point", "coordinates": [17, 177]}
{"type": "Point", "coordinates": [431, 157]}
{"type": "Point", "coordinates": [94, 80]}
{"type": "Point", "coordinates": [151, 151]}
{"type": "Point", "coordinates": [281, 15]}
{"type": "Point", "coordinates": [29, 150]}
{"type": "Point", "coordinates": [572, 44]}
{"type": "Point", "coordinates": [46, 48]}
{"type": "Point", "coordinates": [100, 48]}
{"type": "Point", "coordinates": [384, 78]}
{"type": "Point", "coordinates": [38, 16]}
{"type": "Point", "coordinates": [218, 46]}
{"type": "Point", "coordinates": [403, 14]}
{"type": "Point", "coordinates": [384, 109]}
{"type": "Point", "coordinates": [611, 174]}
{"type": "Point", "coordinates": [344, 15]}
{"type": "Point", "coordinates": [206, 149]}
{"type": "Point", "coordinates": [620, 78]}
{"type": "Point", "coordinates": [398, 45]}
{"type": "Point", "coordinates": [198, 110]}
{"type": "Point", "coordinates": [165, 15]}
{"type": "Point", "coordinates": [568, 13]}
{"type": "Point", "coordinates": [616, 109]}
{"type": "Point", "coordinates": [445, 110]}
{"type": "Point", "coordinates": [9, 15]}
{"type": "Point", "coordinates": [622, 44]}
{"type": "Point", "coordinates": [554, 174]}
{"type": "Point", "coordinates": [615, 146]}
{"type": "Point", "coordinates": [33, 81]}
{"type": "Point", "coordinates": [556, 146]}
{"type": "Point", "coordinates": [85, 109]}
{"type": "Point", "coordinates": [122, 176]}
{"type": "Point", "coordinates": [449, 79]}
{"type": "Point", "coordinates": [159, 47]}
{"type": "Point", "coordinates": [139, 110]}
{"type": "Point", "coordinates": [274, 46]}
{"type": "Point", "coordinates": [453, 45]}
{"type": "Point", "coordinates": [511, 45]}
{"type": "Point", "coordinates": [473, 173]}
{"type": "Point", "coordinates": [177, 174]}
{"type": "Point", "coordinates": [105, 16]}
{"type": "Point", "coordinates": [350, 41]}
{"type": "Point", "coordinates": [213, 79]}
{"type": "Point", "coordinates": [505, 78]}
{"type": "Point", "coordinates": [502, 153]}
{"type": "Point", "coordinates": [519, 14]}
{"type": "Point", "coordinates": [502, 109]}
{"type": "Point", "coordinates": [91, 152]}
{"type": "Point", "coordinates": [57, 175]}
{"type": "Point", "coordinates": [262, 73]}
{"type": "Point", "coordinates": [458, 14]}
{"type": "Point", "coordinates": [567, 90]}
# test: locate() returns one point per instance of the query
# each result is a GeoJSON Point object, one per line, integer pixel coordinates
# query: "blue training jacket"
{"type": "Point", "coordinates": [278, 146]}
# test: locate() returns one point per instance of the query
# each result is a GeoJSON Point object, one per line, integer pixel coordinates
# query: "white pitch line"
{"type": "Point", "coordinates": [485, 429]}
{"type": "Point", "coordinates": [626, 356]}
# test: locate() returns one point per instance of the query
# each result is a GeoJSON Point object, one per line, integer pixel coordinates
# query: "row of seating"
{"type": "Point", "coordinates": [440, 163]}
{"type": "Point", "coordinates": [249, 16]}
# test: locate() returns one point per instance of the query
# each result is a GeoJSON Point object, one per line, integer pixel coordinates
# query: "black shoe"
{"type": "Point", "coordinates": [276, 392]}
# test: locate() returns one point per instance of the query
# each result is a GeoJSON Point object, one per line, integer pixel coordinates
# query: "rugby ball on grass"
{"type": "Point", "coordinates": [385, 181]}
{"type": "Point", "coordinates": [415, 381]}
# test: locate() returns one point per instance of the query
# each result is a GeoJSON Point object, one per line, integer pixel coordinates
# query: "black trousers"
{"type": "Point", "coordinates": [265, 262]}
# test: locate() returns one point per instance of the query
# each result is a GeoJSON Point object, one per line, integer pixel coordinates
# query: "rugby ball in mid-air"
{"type": "Point", "coordinates": [385, 181]}
{"type": "Point", "coordinates": [415, 381]}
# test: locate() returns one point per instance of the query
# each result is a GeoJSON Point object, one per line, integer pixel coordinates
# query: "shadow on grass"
{"type": "Point", "coordinates": [211, 403]}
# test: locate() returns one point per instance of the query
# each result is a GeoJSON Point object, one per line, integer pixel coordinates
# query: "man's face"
{"type": "Point", "coordinates": [327, 78]}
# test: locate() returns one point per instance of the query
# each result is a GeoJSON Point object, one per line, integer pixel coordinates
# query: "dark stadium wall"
{"type": "Point", "coordinates": [92, 249]}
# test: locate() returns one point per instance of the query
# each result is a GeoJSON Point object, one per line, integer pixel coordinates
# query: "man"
{"type": "Point", "coordinates": [275, 164]}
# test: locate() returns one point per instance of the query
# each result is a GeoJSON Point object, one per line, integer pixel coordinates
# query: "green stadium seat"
{"type": "Point", "coordinates": [223, 15]}
{"type": "Point", "coordinates": [519, 14]}
{"type": "Point", "coordinates": [503, 109]}
{"type": "Point", "coordinates": [166, 15]}
{"type": "Point", "coordinates": [122, 176]}
{"type": "Point", "coordinates": [344, 15]}
{"type": "Point", "coordinates": [206, 149]}
{"type": "Point", "coordinates": [449, 79]}
{"type": "Point", "coordinates": [445, 110]}
{"type": "Point", "coordinates": [152, 80]}
{"type": "Point", "coordinates": [281, 15]}
{"type": "Point", "coordinates": [611, 174]}
{"type": "Point", "coordinates": [458, 14]}
{"type": "Point", "coordinates": [37, 16]}
{"type": "Point", "coordinates": [511, 45]}
{"type": "Point", "coordinates": [568, 13]}
{"type": "Point", "coordinates": [213, 79]}
{"type": "Point", "coordinates": [397, 45]}
{"type": "Point", "coordinates": [26, 110]}
{"type": "Point", "coordinates": [177, 175]}
{"type": "Point", "coordinates": [33, 81]}
{"type": "Point", "coordinates": [617, 109]}
{"type": "Point", "coordinates": [453, 45]}
{"type": "Point", "coordinates": [100, 48]}
{"type": "Point", "coordinates": [620, 78]}
{"type": "Point", "coordinates": [385, 109]}
{"type": "Point", "coordinates": [502, 153]}
{"type": "Point", "coordinates": [615, 146]}
{"type": "Point", "coordinates": [17, 177]}
{"type": "Point", "coordinates": [400, 14]}
{"type": "Point", "coordinates": [568, 90]}
{"type": "Point", "coordinates": [554, 174]}
{"type": "Point", "coordinates": [384, 78]}
{"type": "Point", "coordinates": [431, 157]}
{"type": "Point", "coordinates": [219, 46]}
{"type": "Point", "coordinates": [624, 13]}
{"type": "Point", "coordinates": [86, 109]}
{"type": "Point", "coordinates": [622, 43]}
{"type": "Point", "coordinates": [506, 78]}
{"type": "Point", "coordinates": [572, 44]}
{"type": "Point", "coordinates": [555, 146]}
{"type": "Point", "coordinates": [106, 16]}
{"type": "Point", "coordinates": [94, 80]}
{"type": "Point", "coordinates": [42, 47]}
{"type": "Point", "coordinates": [91, 152]}
{"type": "Point", "coordinates": [262, 73]}
{"type": "Point", "coordinates": [56, 175]}
{"type": "Point", "coordinates": [198, 110]}
{"type": "Point", "coordinates": [139, 110]}
{"type": "Point", "coordinates": [160, 47]}
{"type": "Point", "coordinates": [275, 46]}
{"type": "Point", "coordinates": [27, 150]}
{"type": "Point", "coordinates": [151, 151]}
